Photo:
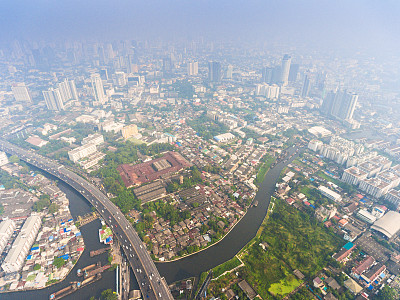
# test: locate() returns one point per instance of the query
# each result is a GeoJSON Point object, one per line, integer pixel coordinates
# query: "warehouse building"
{"type": "Point", "coordinates": [388, 225]}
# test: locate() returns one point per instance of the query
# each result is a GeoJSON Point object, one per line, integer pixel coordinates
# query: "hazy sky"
{"type": "Point", "coordinates": [335, 22]}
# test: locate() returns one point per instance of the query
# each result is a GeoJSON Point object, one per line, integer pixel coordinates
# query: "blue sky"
{"type": "Point", "coordinates": [349, 22]}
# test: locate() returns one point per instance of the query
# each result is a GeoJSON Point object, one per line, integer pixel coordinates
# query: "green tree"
{"type": "Point", "coordinates": [387, 293]}
{"type": "Point", "coordinates": [58, 262]}
{"type": "Point", "coordinates": [53, 208]}
{"type": "Point", "coordinates": [108, 295]}
{"type": "Point", "coordinates": [36, 267]}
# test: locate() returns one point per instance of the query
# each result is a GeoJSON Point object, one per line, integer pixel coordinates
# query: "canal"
{"type": "Point", "coordinates": [187, 267]}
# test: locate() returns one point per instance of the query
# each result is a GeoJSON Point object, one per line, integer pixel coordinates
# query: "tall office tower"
{"type": "Point", "coordinates": [293, 72]}
{"type": "Point", "coordinates": [193, 68]}
{"type": "Point", "coordinates": [21, 92]}
{"type": "Point", "coordinates": [229, 72]}
{"type": "Point", "coordinates": [214, 71]}
{"type": "Point", "coordinates": [285, 68]}
{"type": "Point", "coordinates": [53, 99]}
{"type": "Point", "coordinates": [340, 104]}
{"type": "Point", "coordinates": [98, 90]}
{"type": "Point", "coordinates": [267, 75]}
{"type": "Point", "coordinates": [306, 87]}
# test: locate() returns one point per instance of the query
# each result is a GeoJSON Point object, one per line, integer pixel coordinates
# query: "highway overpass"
{"type": "Point", "coordinates": [150, 282]}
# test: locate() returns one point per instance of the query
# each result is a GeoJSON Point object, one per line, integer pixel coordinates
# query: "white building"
{"type": "Point", "coordinates": [7, 228]}
{"type": "Point", "coordinates": [3, 158]}
{"type": "Point", "coordinates": [20, 248]}
{"type": "Point", "coordinates": [366, 216]}
{"type": "Point", "coordinates": [192, 68]}
{"type": "Point", "coordinates": [54, 100]}
{"type": "Point", "coordinates": [374, 187]}
{"type": "Point", "coordinates": [81, 152]}
{"type": "Point", "coordinates": [393, 197]}
{"type": "Point", "coordinates": [268, 91]}
{"type": "Point", "coordinates": [315, 145]}
{"type": "Point", "coordinates": [98, 90]}
{"type": "Point", "coordinates": [96, 139]}
{"type": "Point", "coordinates": [353, 175]}
{"type": "Point", "coordinates": [329, 193]}
{"type": "Point", "coordinates": [224, 137]}
{"type": "Point", "coordinates": [21, 93]}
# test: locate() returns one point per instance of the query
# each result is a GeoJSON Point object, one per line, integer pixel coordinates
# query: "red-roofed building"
{"type": "Point", "coordinates": [171, 162]}
{"type": "Point", "coordinates": [363, 266]}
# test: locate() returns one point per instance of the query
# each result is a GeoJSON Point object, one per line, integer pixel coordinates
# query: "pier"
{"type": "Point", "coordinates": [86, 219]}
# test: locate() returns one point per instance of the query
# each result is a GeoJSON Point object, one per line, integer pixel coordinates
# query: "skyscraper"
{"type": "Point", "coordinates": [53, 99]}
{"type": "Point", "coordinates": [193, 68]}
{"type": "Point", "coordinates": [98, 90]}
{"type": "Point", "coordinates": [214, 71]}
{"type": "Point", "coordinates": [21, 93]}
{"type": "Point", "coordinates": [293, 72]}
{"type": "Point", "coordinates": [285, 68]}
{"type": "Point", "coordinates": [306, 87]}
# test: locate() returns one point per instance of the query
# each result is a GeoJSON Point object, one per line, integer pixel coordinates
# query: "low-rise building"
{"type": "Point", "coordinates": [95, 139]}
{"type": "Point", "coordinates": [81, 152]}
{"type": "Point", "coordinates": [329, 193]}
{"type": "Point", "coordinates": [6, 230]}
{"type": "Point", "coordinates": [20, 248]}
{"type": "Point", "coordinates": [366, 216]}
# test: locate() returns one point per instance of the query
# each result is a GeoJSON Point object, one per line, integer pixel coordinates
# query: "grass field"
{"type": "Point", "coordinates": [226, 266]}
{"type": "Point", "coordinates": [136, 141]}
{"type": "Point", "coordinates": [264, 169]}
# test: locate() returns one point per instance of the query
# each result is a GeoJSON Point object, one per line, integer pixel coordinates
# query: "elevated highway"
{"type": "Point", "coordinates": [150, 282]}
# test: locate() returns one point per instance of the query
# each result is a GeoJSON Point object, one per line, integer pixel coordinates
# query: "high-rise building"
{"type": "Point", "coordinates": [306, 87]}
{"type": "Point", "coordinates": [214, 71]}
{"type": "Point", "coordinates": [21, 92]}
{"type": "Point", "coordinates": [193, 68]}
{"type": "Point", "coordinates": [68, 90]}
{"type": "Point", "coordinates": [340, 104]}
{"type": "Point", "coordinates": [285, 68]}
{"type": "Point", "coordinates": [229, 72]}
{"type": "Point", "coordinates": [98, 90]}
{"type": "Point", "coordinates": [53, 99]}
{"type": "Point", "coordinates": [267, 75]}
{"type": "Point", "coordinates": [129, 131]}
{"type": "Point", "coordinates": [293, 72]}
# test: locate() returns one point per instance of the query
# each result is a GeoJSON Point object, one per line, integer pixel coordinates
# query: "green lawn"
{"type": "Point", "coordinates": [136, 141]}
{"type": "Point", "coordinates": [285, 286]}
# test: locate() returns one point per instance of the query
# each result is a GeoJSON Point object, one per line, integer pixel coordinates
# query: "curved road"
{"type": "Point", "coordinates": [151, 284]}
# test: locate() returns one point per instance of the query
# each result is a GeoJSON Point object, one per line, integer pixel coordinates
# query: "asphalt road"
{"type": "Point", "coordinates": [151, 284]}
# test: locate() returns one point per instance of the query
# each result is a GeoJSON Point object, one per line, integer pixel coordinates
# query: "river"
{"type": "Point", "coordinates": [187, 267]}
